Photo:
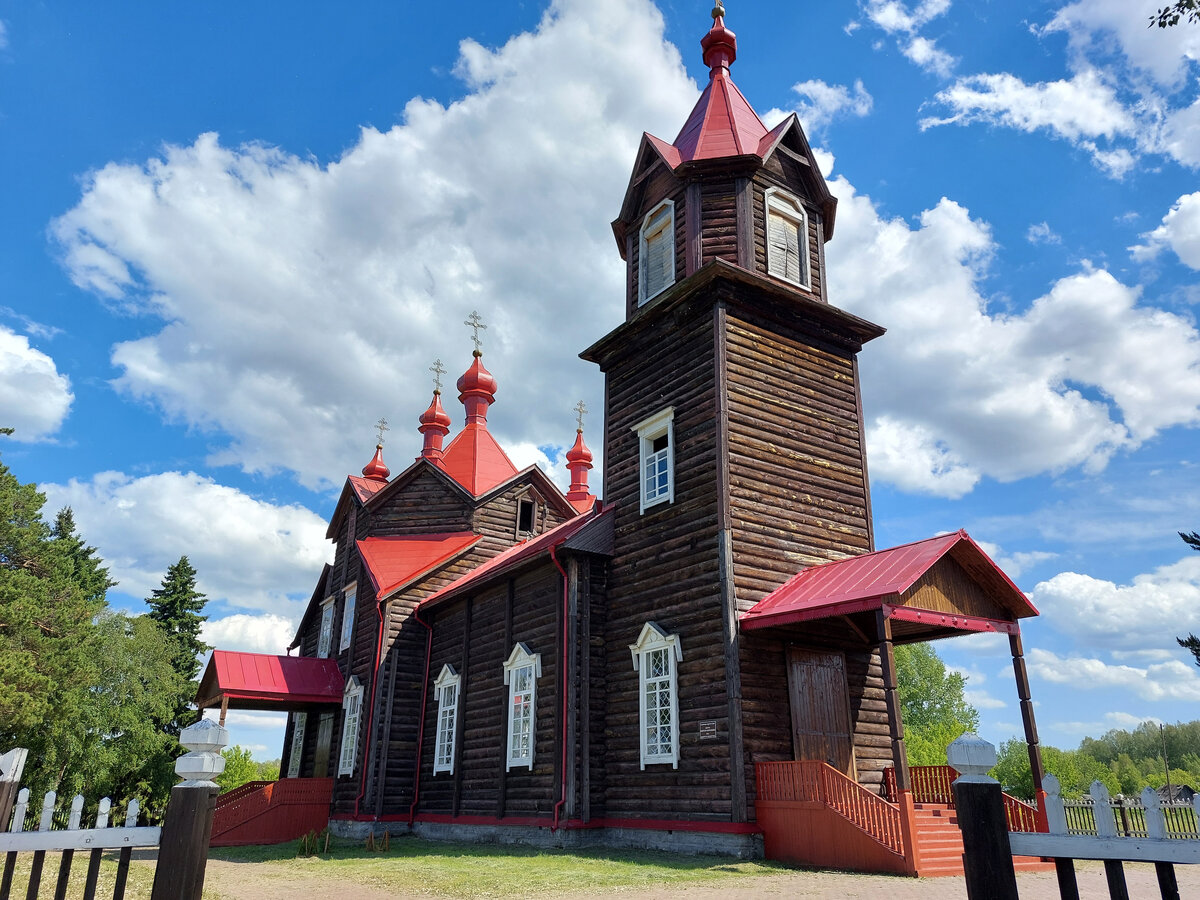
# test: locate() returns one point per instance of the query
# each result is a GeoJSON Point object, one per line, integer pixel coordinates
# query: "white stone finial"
{"type": "Point", "coordinates": [205, 739]}
{"type": "Point", "coordinates": [972, 757]}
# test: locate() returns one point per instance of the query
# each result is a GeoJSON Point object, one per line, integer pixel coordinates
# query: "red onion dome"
{"type": "Point", "coordinates": [579, 453]}
{"type": "Point", "coordinates": [477, 379]}
{"type": "Point", "coordinates": [376, 469]}
{"type": "Point", "coordinates": [435, 415]}
{"type": "Point", "coordinates": [720, 44]}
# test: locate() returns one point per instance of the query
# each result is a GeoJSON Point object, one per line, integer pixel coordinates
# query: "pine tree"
{"type": "Point", "coordinates": [176, 607]}
{"type": "Point", "coordinates": [1191, 642]}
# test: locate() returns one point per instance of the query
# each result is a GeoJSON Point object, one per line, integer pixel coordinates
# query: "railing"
{"type": "Point", "coordinates": [932, 784]}
{"type": "Point", "coordinates": [262, 803]}
{"type": "Point", "coordinates": [818, 782]}
{"type": "Point", "coordinates": [242, 790]}
{"type": "Point", "coordinates": [1129, 816]}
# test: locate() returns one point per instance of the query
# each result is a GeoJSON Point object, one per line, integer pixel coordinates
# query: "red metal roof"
{"type": "Point", "coordinates": [365, 488]}
{"type": "Point", "coordinates": [262, 681]}
{"type": "Point", "coordinates": [393, 562]}
{"type": "Point", "coordinates": [514, 556]}
{"type": "Point", "coordinates": [476, 461]}
{"type": "Point", "coordinates": [723, 123]}
{"type": "Point", "coordinates": [867, 581]}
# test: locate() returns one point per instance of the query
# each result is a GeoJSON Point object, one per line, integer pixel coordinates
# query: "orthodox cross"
{"type": "Point", "coordinates": [438, 371]}
{"type": "Point", "coordinates": [475, 323]}
{"type": "Point", "coordinates": [580, 412]}
{"type": "Point", "coordinates": [380, 427]}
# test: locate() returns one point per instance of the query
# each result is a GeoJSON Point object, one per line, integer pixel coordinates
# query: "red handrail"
{"type": "Point", "coordinates": [818, 782]}
{"type": "Point", "coordinates": [932, 784]}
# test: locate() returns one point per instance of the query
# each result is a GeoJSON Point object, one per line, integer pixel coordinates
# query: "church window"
{"type": "Point", "coordinates": [655, 656]}
{"type": "Point", "coordinates": [325, 638]}
{"type": "Point", "coordinates": [526, 516]}
{"type": "Point", "coordinates": [446, 690]}
{"type": "Point", "coordinates": [787, 238]}
{"type": "Point", "coordinates": [348, 616]}
{"type": "Point", "coordinates": [657, 251]}
{"type": "Point", "coordinates": [656, 456]}
{"type": "Point", "coordinates": [521, 673]}
{"type": "Point", "coordinates": [351, 715]}
{"type": "Point", "coordinates": [299, 720]}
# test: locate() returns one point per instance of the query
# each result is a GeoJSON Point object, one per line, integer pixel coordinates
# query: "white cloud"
{"type": "Point", "coordinates": [983, 700]}
{"type": "Point", "coordinates": [267, 633]}
{"type": "Point", "coordinates": [1014, 564]}
{"type": "Point", "coordinates": [896, 17]}
{"type": "Point", "coordinates": [303, 300]}
{"type": "Point", "coordinates": [955, 392]}
{"type": "Point", "coordinates": [248, 553]}
{"type": "Point", "coordinates": [3, 35]}
{"type": "Point", "coordinates": [821, 103]}
{"type": "Point", "coordinates": [1180, 231]}
{"type": "Point", "coordinates": [926, 54]}
{"type": "Point", "coordinates": [1144, 614]}
{"type": "Point", "coordinates": [1173, 680]}
{"type": "Point", "coordinates": [249, 718]}
{"type": "Point", "coordinates": [1121, 720]}
{"type": "Point", "coordinates": [34, 397]}
{"type": "Point", "coordinates": [1042, 233]}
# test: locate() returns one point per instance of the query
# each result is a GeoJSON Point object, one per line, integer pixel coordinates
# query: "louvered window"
{"type": "Point", "coordinates": [446, 691]}
{"type": "Point", "coordinates": [787, 238]}
{"type": "Point", "coordinates": [657, 251]}
{"type": "Point", "coordinates": [351, 715]}
{"type": "Point", "coordinates": [655, 656]}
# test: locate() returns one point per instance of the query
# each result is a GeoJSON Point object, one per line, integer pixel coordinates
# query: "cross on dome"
{"type": "Point", "coordinates": [475, 323]}
{"type": "Point", "coordinates": [380, 427]}
{"type": "Point", "coordinates": [580, 411]}
{"type": "Point", "coordinates": [438, 371]}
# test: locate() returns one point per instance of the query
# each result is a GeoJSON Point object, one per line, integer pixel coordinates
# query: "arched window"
{"type": "Point", "coordinates": [787, 238]}
{"type": "Point", "coordinates": [521, 673]}
{"type": "Point", "coordinates": [654, 658]}
{"type": "Point", "coordinates": [351, 715]}
{"type": "Point", "coordinates": [446, 689]}
{"type": "Point", "coordinates": [657, 251]}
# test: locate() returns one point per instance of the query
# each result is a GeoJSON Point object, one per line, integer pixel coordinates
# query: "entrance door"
{"type": "Point", "coordinates": [324, 734]}
{"type": "Point", "coordinates": [820, 708]}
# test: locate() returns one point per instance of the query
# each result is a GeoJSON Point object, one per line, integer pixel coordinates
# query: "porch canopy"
{"type": "Point", "coordinates": [926, 590]}
{"type": "Point", "coordinates": [264, 682]}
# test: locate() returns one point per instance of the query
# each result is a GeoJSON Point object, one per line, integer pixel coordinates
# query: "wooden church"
{"type": "Point", "coordinates": [702, 659]}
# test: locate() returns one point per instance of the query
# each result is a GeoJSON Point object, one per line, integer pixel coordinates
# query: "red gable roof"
{"type": "Point", "coordinates": [269, 682]}
{"type": "Point", "coordinates": [867, 581]}
{"type": "Point", "coordinates": [475, 460]}
{"type": "Point", "coordinates": [366, 488]}
{"type": "Point", "coordinates": [393, 562]}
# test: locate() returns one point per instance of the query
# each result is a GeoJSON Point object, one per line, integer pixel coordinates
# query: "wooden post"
{"type": "Point", "coordinates": [12, 764]}
{"type": "Point", "coordinates": [183, 849]}
{"type": "Point", "coordinates": [908, 817]}
{"type": "Point", "coordinates": [1031, 735]}
{"type": "Point", "coordinates": [987, 856]}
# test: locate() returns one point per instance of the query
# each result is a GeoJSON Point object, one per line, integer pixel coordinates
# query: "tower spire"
{"type": "Point", "coordinates": [579, 461]}
{"type": "Point", "coordinates": [434, 422]}
{"type": "Point", "coordinates": [376, 469]}
{"type": "Point", "coordinates": [719, 45]}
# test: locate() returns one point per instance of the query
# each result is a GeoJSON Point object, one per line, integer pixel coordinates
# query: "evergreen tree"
{"type": "Point", "coordinates": [1191, 642]}
{"type": "Point", "coordinates": [176, 607]}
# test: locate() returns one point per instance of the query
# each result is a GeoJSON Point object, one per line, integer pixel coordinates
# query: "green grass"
{"type": "Point", "coordinates": [137, 887]}
{"type": "Point", "coordinates": [413, 865]}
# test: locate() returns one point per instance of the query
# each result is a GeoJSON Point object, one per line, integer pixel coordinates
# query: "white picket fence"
{"type": "Point", "coordinates": [75, 837]}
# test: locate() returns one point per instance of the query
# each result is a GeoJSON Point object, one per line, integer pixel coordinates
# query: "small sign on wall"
{"type": "Point", "coordinates": [708, 731]}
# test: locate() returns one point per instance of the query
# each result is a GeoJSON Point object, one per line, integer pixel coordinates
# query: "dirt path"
{"type": "Point", "coordinates": [273, 881]}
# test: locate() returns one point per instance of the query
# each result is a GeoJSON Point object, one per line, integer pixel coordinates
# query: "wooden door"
{"type": "Point", "coordinates": [324, 735]}
{"type": "Point", "coordinates": [820, 703]}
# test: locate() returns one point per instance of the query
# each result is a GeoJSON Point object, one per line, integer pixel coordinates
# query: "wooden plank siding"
{"type": "Point", "coordinates": [718, 220]}
{"type": "Point", "coordinates": [947, 588]}
{"type": "Point", "coordinates": [661, 185]}
{"type": "Point", "coordinates": [426, 504]}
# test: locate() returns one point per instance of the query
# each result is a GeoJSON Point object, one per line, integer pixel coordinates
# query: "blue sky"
{"type": "Point", "coordinates": [233, 239]}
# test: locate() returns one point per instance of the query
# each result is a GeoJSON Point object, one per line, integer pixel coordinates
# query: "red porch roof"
{"type": "Point", "coordinates": [872, 580]}
{"type": "Point", "coordinates": [262, 681]}
{"type": "Point", "coordinates": [393, 562]}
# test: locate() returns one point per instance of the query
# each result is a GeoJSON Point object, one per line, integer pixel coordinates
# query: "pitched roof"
{"type": "Point", "coordinates": [393, 562]}
{"type": "Point", "coordinates": [365, 488]}
{"type": "Point", "coordinates": [476, 461]}
{"type": "Point", "coordinates": [263, 681]}
{"type": "Point", "coordinates": [526, 551]}
{"type": "Point", "coordinates": [722, 124]}
{"type": "Point", "coordinates": [866, 582]}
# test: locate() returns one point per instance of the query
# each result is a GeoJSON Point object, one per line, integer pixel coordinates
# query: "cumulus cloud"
{"type": "Point", "coordinates": [1179, 231]}
{"type": "Point", "coordinates": [1014, 564]}
{"type": "Point", "coordinates": [926, 54]}
{"type": "Point", "coordinates": [821, 103]}
{"type": "Point", "coordinates": [34, 396]}
{"type": "Point", "coordinates": [1173, 680]}
{"type": "Point", "coordinates": [956, 392]}
{"type": "Point", "coordinates": [1042, 233]}
{"type": "Point", "coordinates": [904, 21]}
{"type": "Point", "coordinates": [301, 300]}
{"type": "Point", "coordinates": [248, 553]}
{"type": "Point", "coordinates": [1147, 612]}
{"type": "Point", "coordinates": [266, 633]}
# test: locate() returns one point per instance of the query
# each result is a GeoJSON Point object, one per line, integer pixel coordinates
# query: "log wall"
{"type": "Point", "coordinates": [783, 172]}
{"type": "Point", "coordinates": [659, 185]}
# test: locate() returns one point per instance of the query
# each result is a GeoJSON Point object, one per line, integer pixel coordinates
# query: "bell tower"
{"type": "Point", "coordinates": [733, 436]}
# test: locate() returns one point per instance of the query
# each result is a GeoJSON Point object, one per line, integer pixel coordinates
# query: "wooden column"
{"type": "Point", "coordinates": [745, 223]}
{"type": "Point", "coordinates": [693, 252]}
{"type": "Point", "coordinates": [502, 784]}
{"type": "Point", "coordinates": [1031, 735]}
{"type": "Point", "coordinates": [987, 857]}
{"type": "Point", "coordinates": [908, 817]}
{"type": "Point", "coordinates": [463, 684]}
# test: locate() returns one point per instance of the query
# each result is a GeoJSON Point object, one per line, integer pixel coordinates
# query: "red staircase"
{"type": "Point", "coordinates": [940, 847]}
{"type": "Point", "coordinates": [271, 812]}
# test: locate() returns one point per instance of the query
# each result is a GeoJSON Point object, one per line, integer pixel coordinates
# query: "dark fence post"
{"type": "Point", "coordinates": [987, 857]}
{"type": "Point", "coordinates": [183, 850]}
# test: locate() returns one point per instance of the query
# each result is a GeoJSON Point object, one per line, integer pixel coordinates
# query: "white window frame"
{"type": "Point", "coordinates": [299, 722]}
{"type": "Point", "coordinates": [653, 640]}
{"type": "Point", "coordinates": [648, 431]}
{"type": "Point", "coordinates": [525, 700]}
{"type": "Point", "coordinates": [447, 691]}
{"type": "Point", "coordinates": [790, 207]}
{"type": "Point", "coordinates": [325, 637]}
{"type": "Point", "coordinates": [349, 600]}
{"type": "Point", "coordinates": [351, 720]}
{"type": "Point", "coordinates": [644, 237]}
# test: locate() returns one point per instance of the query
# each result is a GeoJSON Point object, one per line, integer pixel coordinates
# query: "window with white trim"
{"type": "Point", "coordinates": [299, 721]}
{"type": "Point", "coordinates": [787, 237]}
{"type": "Point", "coordinates": [655, 658]}
{"type": "Point", "coordinates": [350, 596]}
{"type": "Point", "coordinates": [656, 458]}
{"type": "Point", "coordinates": [325, 639]}
{"type": "Point", "coordinates": [656, 251]}
{"type": "Point", "coordinates": [521, 672]}
{"type": "Point", "coordinates": [446, 691]}
{"type": "Point", "coordinates": [351, 716]}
